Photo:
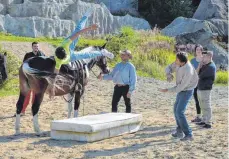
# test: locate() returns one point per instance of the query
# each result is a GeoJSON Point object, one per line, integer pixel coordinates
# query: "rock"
{"type": "Point", "coordinates": [54, 18]}
{"type": "Point", "coordinates": [2, 10]}
{"type": "Point", "coordinates": [44, 10]}
{"type": "Point", "coordinates": [209, 9]}
{"type": "Point", "coordinates": [36, 26]}
{"type": "Point", "coordinates": [188, 30]}
{"type": "Point", "coordinates": [220, 26]}
{"type": "Point", "coordinates": [220, 55]}
{"type": "Point", "coordinates": [120, 6]}
{"type": "Point", "coordinates": [183, 25]}
{"type": "Point", "coordinates": [206, 40]}
{"type": "Point", "coordinates": [2, 19]}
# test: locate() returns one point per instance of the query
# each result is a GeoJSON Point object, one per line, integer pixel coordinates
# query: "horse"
{"type": "Point", "coordinates": [3, 70]}
{"type": "Point", "coordinates": [37, 74]}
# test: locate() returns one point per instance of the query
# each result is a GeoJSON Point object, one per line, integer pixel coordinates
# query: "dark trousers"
{"type": "Point", "coordinates": [118, 93]}
{"type": "Point", "coordinates": [198, 110]}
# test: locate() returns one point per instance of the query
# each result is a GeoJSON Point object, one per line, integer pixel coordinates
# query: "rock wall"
{"type": "Point", "coordinates": [54, 18]}
{"type": "Point", "coordinates": [208, 24]}
{"type": "Point", "coordinates": [119, 6]}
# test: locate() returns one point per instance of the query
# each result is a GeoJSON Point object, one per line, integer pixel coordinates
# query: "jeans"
{"type": "Point", "coordinates": [180, 106]}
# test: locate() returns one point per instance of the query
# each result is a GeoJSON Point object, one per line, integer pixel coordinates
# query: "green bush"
{"type": "Point", "coordinates": [11, 85]}
{"type": "Point", "coordinates": [222, 77]}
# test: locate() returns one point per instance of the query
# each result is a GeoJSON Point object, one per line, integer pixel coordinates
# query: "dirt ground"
{"type": "Point", "coordinates": [154, 141]}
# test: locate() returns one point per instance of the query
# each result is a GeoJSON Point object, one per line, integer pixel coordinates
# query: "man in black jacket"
{"type": "Point", "coordinates": [207, 73]}
{"type": "Point", "coordinates": [34, 53]}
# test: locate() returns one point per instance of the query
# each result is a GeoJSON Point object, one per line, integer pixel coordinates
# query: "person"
{"type": "Point", "coordinates": [191, 48]}
{"type": "Point", "coordinates": [124, 78]}
{"type": "Point", "coordinates": [195, 62]}
{"type": "Point", "coordinates": [35, 52]}
{"type": "Point", "coordinates": [207, 73]}
{"type": "Point", "coordinates": [66, 52]}
{"type": "Point", "coordinates": [186, 81]}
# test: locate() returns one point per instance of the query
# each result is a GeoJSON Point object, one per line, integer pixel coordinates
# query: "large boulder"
{"type": "Point", "coordinates": [209, 9]}
{"type": "Point", "coordinates": [219, 26]}
{"type": "Point", "coordinates": [206, 39]}
{"type": "Point", "coordinates": [183, 25]}
{"type": "Point", "coordinates": [120, 6]}
{"type": "Point", "coordinates": [2, 20]}
{"type": "Point", "coordinates": [37, 26]}
{"type": "Point", "coordinates": [58, 17]}
{"type": "Point", "coordinates": [188, 30]}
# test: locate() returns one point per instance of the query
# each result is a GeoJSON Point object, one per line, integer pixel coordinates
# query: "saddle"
{"type": "Point", "coordinates": [77, 71]}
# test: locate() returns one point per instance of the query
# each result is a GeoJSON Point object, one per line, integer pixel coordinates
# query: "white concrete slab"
{"type": "Point", "coordinates": [95, 136]}
{"type": "Point", "coordinates": [95, 127]}
{"type": "Point", "coordinates": [95, 123]}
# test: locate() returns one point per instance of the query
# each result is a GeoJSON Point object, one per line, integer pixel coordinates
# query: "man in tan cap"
{"type": "Point", "coordinates": [124, 78]}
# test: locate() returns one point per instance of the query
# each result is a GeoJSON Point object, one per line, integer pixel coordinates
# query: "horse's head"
{"type": "Point", "coordinates": [102, 64]}
{"type": "Point", "coordinates": [100, 61]}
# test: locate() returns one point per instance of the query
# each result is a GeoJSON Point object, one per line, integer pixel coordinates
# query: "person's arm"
{"type": "Point", "coordinates": [170, 68]}
{"type": "Point", "coordinates": [111, 74]}
{"type": "Point", "coordinates": [133, 79]}
{"type": "Point", "coordinates": [199, 67]}
{"type": "Point", "coordinates": [90, 28]}
{"type": "Point", "coordinates": [183, 84]}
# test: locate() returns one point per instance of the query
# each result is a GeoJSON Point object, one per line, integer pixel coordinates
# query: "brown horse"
{"type": "Point", "coordinates": [37, 74]}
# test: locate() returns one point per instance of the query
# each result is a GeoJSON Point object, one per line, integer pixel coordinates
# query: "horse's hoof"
{"type": "Point", "coordinates": [17, 133]}
{"type": "Point", "coordinates": [42, 134]}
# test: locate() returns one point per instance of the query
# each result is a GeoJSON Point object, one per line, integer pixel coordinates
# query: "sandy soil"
{"type": "Point", "coordinates": [20, 48]}
{"type": "Point", "coordinates": [154, 141]}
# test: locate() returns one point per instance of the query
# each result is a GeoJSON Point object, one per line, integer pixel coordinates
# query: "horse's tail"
{"type": "Point", "coordinates": [27, 70]}
{"type": "Point", "coordinates": [50, 77]}
{"type": "Point", "coordinates": [35, 72]}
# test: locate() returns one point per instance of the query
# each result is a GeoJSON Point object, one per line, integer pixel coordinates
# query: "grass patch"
{"type": "Point", "coordinates": [152, 52]}
{"type": "Point", "coordinates": [10, 37]}
{"type": "Point", "coordinates": [11, 85]}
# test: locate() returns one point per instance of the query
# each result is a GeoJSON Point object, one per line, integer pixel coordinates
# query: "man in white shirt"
{"type": "Point", "coordinates": [186, 81]}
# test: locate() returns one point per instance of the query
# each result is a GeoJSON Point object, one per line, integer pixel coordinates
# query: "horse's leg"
{"type": "Point", "coordinates": [24, 88]}
{"type": "Point", "coordinates": [18, 112]}
{"type": "Point", "coordinates": [77, 102]}
{"type": "Point", "coordinates": [35, 109]}
{"type": "Point", "coordinates": [69, 105]}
